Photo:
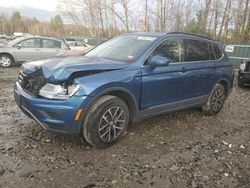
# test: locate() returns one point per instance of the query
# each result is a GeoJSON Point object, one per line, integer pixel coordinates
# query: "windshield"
{"type": "Point", "coordinates": [15, 41]}
{"type": "Point", "coordinates": [122, 48]}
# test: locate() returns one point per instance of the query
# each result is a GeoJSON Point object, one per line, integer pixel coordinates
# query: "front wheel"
{"type": "Point", "coordinates": [6, 60]}
{"type": "Point", "coordinates": [215, 101]}
{"type": "Point", "coordinates": [106, 121]}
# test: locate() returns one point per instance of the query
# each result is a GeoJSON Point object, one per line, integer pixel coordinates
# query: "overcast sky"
{"type": "Point", "coordinates": [41, 4]}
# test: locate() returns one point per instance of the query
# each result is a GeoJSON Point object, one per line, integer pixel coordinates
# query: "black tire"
{"type": "Point", "coordinates": [99, 120]}
{"type": "Point", "coordinates": [6, 60]}
{"type": "Point", "coordinates": [215, 101]}
{"type": "Point", "coordinates": [240, 82]}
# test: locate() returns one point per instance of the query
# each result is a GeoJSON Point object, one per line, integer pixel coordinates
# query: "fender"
{"type": "Point", "coordinates": [103, 92]}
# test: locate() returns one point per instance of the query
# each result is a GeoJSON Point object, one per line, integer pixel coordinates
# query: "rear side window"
{"type": "Point", "coordinates": [48, 43]}
{"type": "Point", "coordinates": [217, 51]}
{"type": "Point", "coordinates": [211, 52]}
{"type": "Point", "coordinates": [197, 50]}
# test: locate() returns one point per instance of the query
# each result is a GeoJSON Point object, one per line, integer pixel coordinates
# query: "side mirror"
{"type": "Point", "coordinates": [19, 46]}
{"type": "Point", "coordinates": [159, 61]}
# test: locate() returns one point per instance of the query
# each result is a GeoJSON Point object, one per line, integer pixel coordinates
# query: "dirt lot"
{"type": "Point", "coordinates": [184, 149]}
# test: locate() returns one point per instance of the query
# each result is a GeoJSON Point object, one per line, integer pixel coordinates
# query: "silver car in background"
{"type": "Point", "coordinates": [29, 48]}
{"type": "Point", "coordinates": [81, 46]}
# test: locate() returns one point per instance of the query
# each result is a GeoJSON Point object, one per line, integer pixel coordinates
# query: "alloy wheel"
{"type": "Point", "coordinates": [218, 99]}
{"type": "Point", "coordinates": [111, 124]}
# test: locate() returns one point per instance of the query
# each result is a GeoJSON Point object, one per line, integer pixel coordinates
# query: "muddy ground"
{"type": "Point", "coordinates": [184, 149]}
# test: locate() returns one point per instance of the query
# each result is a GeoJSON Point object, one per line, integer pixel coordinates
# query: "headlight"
{"type": "Point", "coordinates": [242, 66]}
{"type": "Point", "coordinates": [51, 91]}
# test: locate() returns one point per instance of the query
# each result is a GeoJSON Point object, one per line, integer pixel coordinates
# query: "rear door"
{"type": "Point", "coordinates": [27, 49]}
{"type": "Point", "coordinates": [201, 67]}
{"type": "Point", "coordinates": [163, 85]}
{"type": "Point", "coordinates": [51, 48]}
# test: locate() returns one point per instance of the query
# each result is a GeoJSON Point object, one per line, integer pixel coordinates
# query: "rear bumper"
{"type": "Point", "coordinates": [53, 115]}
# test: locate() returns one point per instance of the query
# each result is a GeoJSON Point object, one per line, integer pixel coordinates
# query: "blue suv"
{"type": "Point", "coordinates": [128, 78]}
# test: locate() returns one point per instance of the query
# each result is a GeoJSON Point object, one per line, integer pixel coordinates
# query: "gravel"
{"type": "Point", "coordinates": [183, 149]}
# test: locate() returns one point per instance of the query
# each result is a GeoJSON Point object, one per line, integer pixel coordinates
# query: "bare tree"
{"type": "Point", "coordinates": [246, 13]}
{"type": "Point", "coordinates": [125, 6]}
{"type": "Point", "coordinates": [206, 12]}
{"type": "Point", "coordinates": [146, 17]}
{"type": "Point", "coordinates": [225, 17]}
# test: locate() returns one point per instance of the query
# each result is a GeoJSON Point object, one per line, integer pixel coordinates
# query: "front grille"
{"type": "Point", "coordinates": [32, 84]}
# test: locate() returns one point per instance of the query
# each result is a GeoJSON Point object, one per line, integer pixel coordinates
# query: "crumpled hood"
{"type": "Point", "coordinates": [58, 69]}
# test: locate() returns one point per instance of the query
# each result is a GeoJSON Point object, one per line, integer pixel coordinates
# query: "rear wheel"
{"type": "Point", "coordinates": [215, 101]}
{"type": "Point", "coordinates": [6, 60]}
{"type": "Point", "coordinates": [106, 121]}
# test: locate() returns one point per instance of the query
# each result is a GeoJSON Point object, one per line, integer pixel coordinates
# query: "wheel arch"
{"type": "Point", "coordinates": [225, 84]}
{"type": "Point", "coordinates": [124, 94]}
{"type": "Point", "coordinates": [119, 92]}
{"type": "Point", "coordinates": [9, 54]}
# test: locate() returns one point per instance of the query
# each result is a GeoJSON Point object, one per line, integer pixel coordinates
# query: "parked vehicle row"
{"type": "Point", "coordinates": [244, 73]}
{"type": "Point", "coordinates": [126, 79]}
{"type": "Point", "coordinates": [28, 48]}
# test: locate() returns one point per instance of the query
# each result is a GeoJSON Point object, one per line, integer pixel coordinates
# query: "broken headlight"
{"type": "Point", "coordinates": [52, 91]}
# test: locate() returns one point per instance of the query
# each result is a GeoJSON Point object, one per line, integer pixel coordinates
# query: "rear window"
{"type": "Point", "coordinates": [197, 50]}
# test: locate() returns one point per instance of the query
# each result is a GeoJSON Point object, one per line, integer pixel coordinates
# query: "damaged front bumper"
{"type": "Point", "coordinates": [53, 115]}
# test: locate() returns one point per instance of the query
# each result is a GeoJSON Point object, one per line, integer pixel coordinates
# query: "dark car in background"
{"type": "Point", "coordinates": [244, 73]}
{"type": "Point", "coordinates": [126, 79]}
{"type": "Point", "coordinates": [28, 48]}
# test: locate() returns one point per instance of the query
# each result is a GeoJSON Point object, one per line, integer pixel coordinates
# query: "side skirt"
{"type": "Point", "coordinates": [172, 107]}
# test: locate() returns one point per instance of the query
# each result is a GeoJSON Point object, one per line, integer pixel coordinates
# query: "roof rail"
{"type": "Point", "coordinates": [190, 34]}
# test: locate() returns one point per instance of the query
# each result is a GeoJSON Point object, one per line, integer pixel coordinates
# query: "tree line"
{"type": "Point", "coordinates": [224, 20]}
{"type": "Point", "coordinates": [54, 28]}
{"type": "Point", "coordinates": [219, 19]}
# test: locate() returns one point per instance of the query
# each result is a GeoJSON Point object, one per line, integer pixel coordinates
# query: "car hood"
{"type": "Point", "coordinates": [59, 69]}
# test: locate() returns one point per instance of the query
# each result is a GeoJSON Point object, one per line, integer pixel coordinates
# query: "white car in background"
{"type": "Point", "coordinates": [29, 48]}
{"type": "Point", "coordinates": [81, 46]}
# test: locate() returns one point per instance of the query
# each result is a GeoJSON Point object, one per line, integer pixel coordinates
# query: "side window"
{"type": "Point", "coordinates": [48, 43]}
{"type": "Point", "coordinates": [30, 43]}
{"type": "Point", "coordinates": [217, 51]}
{"type": "Point", "coordinates": [211, 52]}
{"type": "Point", "coordinates": [171, 49]}
{"type": "Point", "coordinates": [196, 50]}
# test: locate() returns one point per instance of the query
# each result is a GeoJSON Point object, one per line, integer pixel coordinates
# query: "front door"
{"type": "Point", "coordinates": [27, 49]}
{"type": "Point", "coordinates": [165, 85]}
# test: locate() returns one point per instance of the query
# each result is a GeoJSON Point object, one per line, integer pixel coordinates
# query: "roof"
{"type": "Point", "coordinates": [152, 34]}
{"type": "Point", "coordinates": [160, 34]}
{"type": "Point", "coordinates": [188, 34]}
